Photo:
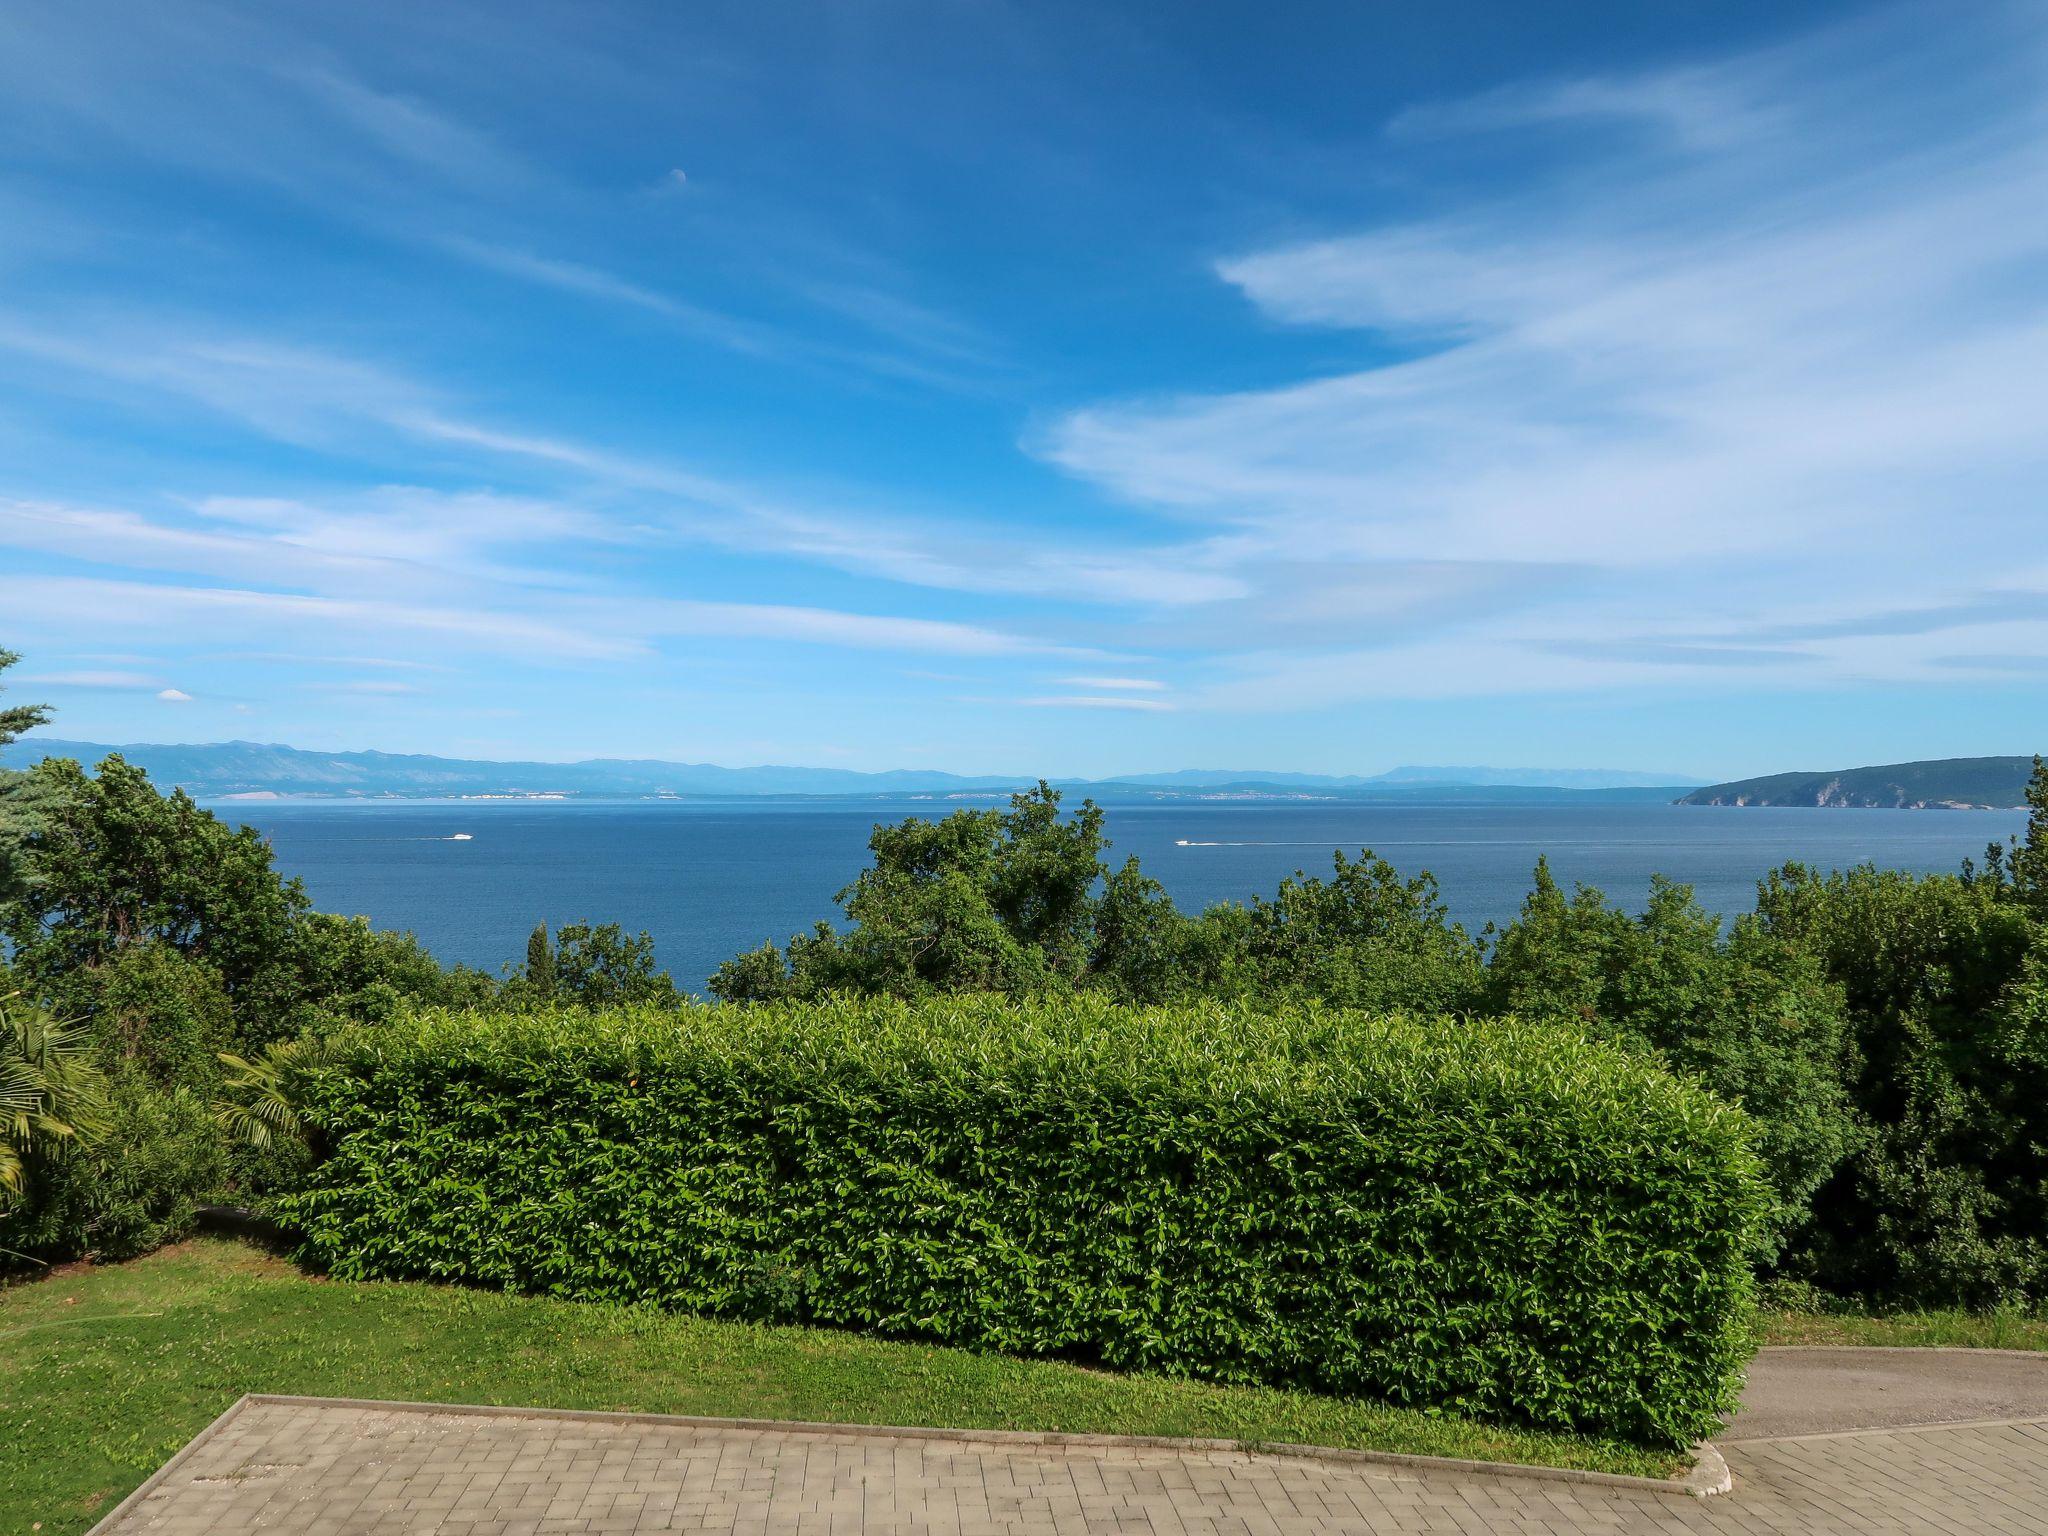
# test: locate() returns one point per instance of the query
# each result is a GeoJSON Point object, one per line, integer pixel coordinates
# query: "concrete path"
{"type": "Point", "coordinates": [1822, 1390]}
{"type": "Point", "coordinates": [331, 1469]}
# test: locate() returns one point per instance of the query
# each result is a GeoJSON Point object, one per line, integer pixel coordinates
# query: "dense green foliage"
{"type": "Point", "coordinates": [1888, 1032]}
{"type": "Point", "coordinates": [1020, 902]}
{"type": "Point", "coordinates": [1946, 1198]}
{"type": "Point", "coordinates": [166, 941]}
{"type": "Point", "coordinates": [168, 938]}
{"type": "Point", "coordinates": [18, 718]}
{"type": "Point", "coordinates": [17, 808]}
{"type": "Point", "coordinates": [981, 901]}
{"type": "Point", "coordinates": [133, 1187]}
{"type": "Point", "coordinates": [53, 1096]}
{"type": "Point", "coordinates": [114, 866]}
{"type": "Point", "coordinates": [1511, 1221]}
{"type": "Point", "coordinates": [1754, 1017]}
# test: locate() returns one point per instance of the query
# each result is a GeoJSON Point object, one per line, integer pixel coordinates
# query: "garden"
{"type": "Point", "coordinates": [1015, 1143]}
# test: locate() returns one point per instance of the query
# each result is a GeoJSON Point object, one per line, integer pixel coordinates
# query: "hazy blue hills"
{"type": "Point", "coordinates": [247, 768]}
{"type": "Point", "coordinates": [1554, 778]}
{"type": "Point", "coordinates": [1949, 783]}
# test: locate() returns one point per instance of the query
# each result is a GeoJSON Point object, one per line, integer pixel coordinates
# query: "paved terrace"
{"type": "Point", "coordinates": [325, 1469]}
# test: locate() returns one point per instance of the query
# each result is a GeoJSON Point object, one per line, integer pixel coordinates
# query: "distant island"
{"type": "Point", "coordinates": [257, 770]}
{"type": "Point", "coordinates": [1948, 783]}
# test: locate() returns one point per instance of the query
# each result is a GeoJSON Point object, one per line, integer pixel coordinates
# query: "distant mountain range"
{"type": "Point", "coordinates": [1949, 783]}
{"type": "Point", "coordinates": [220, 770]}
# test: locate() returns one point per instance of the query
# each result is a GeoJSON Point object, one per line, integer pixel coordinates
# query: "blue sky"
{"type": "Point", "coordinates": [1065, 388]}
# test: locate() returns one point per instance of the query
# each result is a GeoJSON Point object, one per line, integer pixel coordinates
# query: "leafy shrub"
{"type": "Point", "coordinates": [1503, 1219]}
{"type": "Point", "coordinates": [347, 972]}
{"type": "Point", "coordinates": [170, 938]}
{"type": "Point", "coordinates": [156, 1008]}
{"type": "Point", "coordinates": [130, 1189]}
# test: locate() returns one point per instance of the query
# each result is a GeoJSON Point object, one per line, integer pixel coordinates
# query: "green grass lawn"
{"type": "Point", "coordinates": [1923, 1330]}
{"type": "Point", "coordinates": [105, 1372]}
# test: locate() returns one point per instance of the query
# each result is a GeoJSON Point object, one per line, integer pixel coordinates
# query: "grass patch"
{"type": "Point", "coordinates": [1922, 1330]}
{"type": "Point", "coordinates": [105, 1372]}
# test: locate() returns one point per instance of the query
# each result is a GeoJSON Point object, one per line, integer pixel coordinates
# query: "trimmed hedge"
{"type": "Point", "coordinates": [1499, 1219]}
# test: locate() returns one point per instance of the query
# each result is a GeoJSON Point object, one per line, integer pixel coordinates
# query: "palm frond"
{"type": "Point", "coordinates": [52, 1095]}
{"type": "Point", "coordinates": [256, 1106]}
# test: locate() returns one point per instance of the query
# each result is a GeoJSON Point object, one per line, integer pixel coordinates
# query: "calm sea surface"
{"type": "Point", "coordinates": [709, 879]}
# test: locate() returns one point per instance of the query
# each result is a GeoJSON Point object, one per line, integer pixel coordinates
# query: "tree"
{"type": "Point", "coordinates": [173, 940]}
{"type": "Point", "coordinates": [157, 1010]}
{"type": "Point", "coordinates": [1142, 943]}
{"type": "Point", "coordinates": [115, 863]}
{"type": "Point", "coordinates": [1751, 1015]}
{"type": "Point", "coordinates": [2027, 863]}
{"type": "Point", "coordinates": [978, 901]}
{"type": "Point", "coordinates": [19, 719]}
{"type": "Point", "coordinates": [21, 807]}
{"type": "Point", "coordinates": [600, 967]}
{"type": "Point", "coordinates": [540, 963]}
{"type": "Point", "coordinates": [1366, 937]}
{"type": "Point", "coordinates": [1947, 1009]}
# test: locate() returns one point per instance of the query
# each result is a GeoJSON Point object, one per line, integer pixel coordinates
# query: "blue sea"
{"type": "Point", "coordinates": [709, 879]}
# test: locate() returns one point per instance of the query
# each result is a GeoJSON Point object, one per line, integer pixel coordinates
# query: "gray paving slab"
{"type": "Point", "coordinates": [354, 1470]}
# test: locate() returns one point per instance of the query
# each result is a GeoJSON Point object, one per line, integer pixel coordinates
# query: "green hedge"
{"type": "Point", "coordinates": [1498, 1219]}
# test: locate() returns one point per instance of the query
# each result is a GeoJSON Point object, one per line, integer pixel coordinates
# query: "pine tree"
{"type": "Point", "coordinates": [540, 962]}
{"type": "Point", "coordinates": [2028, 862]}
{"type": "Point", "coordinates": [23, 717]}
{"type": "Point", "coordinates": [18, 807]}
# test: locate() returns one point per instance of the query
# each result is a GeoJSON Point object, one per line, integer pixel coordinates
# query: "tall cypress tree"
{"type": "Point", "coordinates": [2029, 859]}
{"type": "Point", "coordinates": [540, 962]}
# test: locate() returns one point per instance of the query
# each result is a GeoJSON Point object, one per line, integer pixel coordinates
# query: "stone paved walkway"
{"type": "Point", "coordinates": [326, 1470]}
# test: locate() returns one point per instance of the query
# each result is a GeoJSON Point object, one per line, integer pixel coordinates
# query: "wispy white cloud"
{"type": "Point", "coordinates": [1097, 701]}
{"type": "Point", "coordinates": [66, 605]}
{"type": "Point", "coordinates": [1133, 684]}
{"type": "Point", "coordinates": [596, 283]}
{"type": "Point", "coordinates": [1702, 107]}
{"type": "Point", "coordinates": [569, 628]}
{"type": "Point", "coordinates": [771, 621]}
{"type": "Point", "coordinates": [377, 687]}
{"type": "Point", "coordinates": [124, 682]}
{"type": "Point", "coordinates": [408, 130]}
{"type": "Point", "coordinates": [1787, 345]}
{"type": "Point", "coordinates": [1736, 333]}
{"type": "Point", "coordinates": [306, 395]}
{"type": "Point", "coordinates": [288, 115]}
{"type": "Point", "coordinates": [380, 541]}
{"type": "Point", "coordinates": [174, 696]}
{"type": "Point", "coordinates": [302, 658]}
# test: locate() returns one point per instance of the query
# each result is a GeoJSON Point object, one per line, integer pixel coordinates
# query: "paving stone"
{"type": "Point", "coordinates": [341, 1470]}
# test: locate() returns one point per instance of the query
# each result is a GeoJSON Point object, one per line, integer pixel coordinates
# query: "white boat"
{"type": "Point", "coordinates": [461, 837]}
